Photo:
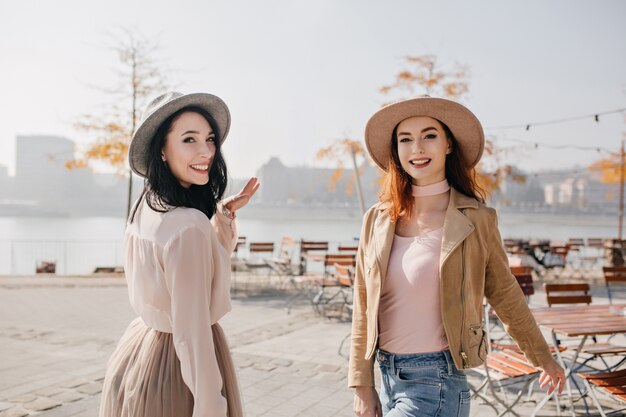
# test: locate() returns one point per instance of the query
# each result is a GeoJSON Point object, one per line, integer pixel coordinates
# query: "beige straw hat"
{"type": "Point", "coordinates": [462, 123]}
{"type": "Point", "coordinates": [162, 107]}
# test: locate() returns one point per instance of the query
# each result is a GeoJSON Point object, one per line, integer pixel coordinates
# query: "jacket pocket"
{"type": "Point", "coordinates": [476, 335]}
{"type": "Point", "coordinates": [478, 340]}
{"type": "Point", "coordinates": [482, 349]}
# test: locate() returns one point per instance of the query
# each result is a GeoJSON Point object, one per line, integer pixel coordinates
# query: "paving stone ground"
{"type": "Point", "coordinates": [56, 334]}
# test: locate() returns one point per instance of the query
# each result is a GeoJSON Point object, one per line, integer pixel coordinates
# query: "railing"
{"type": "Point", "coordinates": [72, 257]}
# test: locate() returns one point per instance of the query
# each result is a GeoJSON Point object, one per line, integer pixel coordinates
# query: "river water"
{"type": "Point", "coordinates": [80, 244]}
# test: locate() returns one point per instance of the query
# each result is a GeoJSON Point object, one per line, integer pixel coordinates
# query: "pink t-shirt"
{"type": "Point", "coordinates": [409, 315]}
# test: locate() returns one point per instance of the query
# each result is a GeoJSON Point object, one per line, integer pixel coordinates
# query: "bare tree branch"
{"type": "Point", "coordinates": [138, 78]}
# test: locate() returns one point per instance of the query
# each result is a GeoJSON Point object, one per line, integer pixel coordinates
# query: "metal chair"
{"type": "Point", "coordinates": [504, 369]}
{"type": "Point", "coordinates": [567, 294]}
{"type": "Point", "coordinates": [282, 265]}
{"type": "Point", "coordinates": [236, 259]}
{"type": "Point", "coordinates": [345, 278]}
{"type": "Point", "coordinates": [524, 277]}
{"type": "Point", "coordinates": [321, 283]}
{"type": "Point", "coordinates": [308, 246]}
{"type": "Point", "coordinates": [323, 299]}
{"type": "Point", "coordinates": [256, 260]}
{"type": "Point", "coordinates": [611, 383]}
{"type": "Point", "coordinates": [347, 248]}
{"type": "Point", "coordinates": [614, 275]}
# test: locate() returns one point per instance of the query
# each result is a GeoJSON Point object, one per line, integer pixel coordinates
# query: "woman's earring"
{"type": "Point", "coordinates": [163, 158]}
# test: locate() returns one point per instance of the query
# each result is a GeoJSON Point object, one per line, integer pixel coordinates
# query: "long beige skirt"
{"type": "Point", "coordinates": [143, 377]}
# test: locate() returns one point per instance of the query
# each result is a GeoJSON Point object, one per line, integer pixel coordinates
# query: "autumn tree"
{"type": "Point", "coordinates": [609, 168]}
{"type": "Point", "coordinates": [139, 77]}
{"type": "Point", "coordinates": [337, 152]}
{"type": "Point", "coordinates": [492, 171]}
{"type": "Point", "coordinates": [423, 74]}
{"type": "Point", "coordinates": [612, 170]}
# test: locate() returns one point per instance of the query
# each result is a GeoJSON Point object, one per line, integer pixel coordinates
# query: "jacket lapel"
{"type": "Point", "coordinates": [456, 226]}
{"type": "Point", "coordinates": [383, 239]}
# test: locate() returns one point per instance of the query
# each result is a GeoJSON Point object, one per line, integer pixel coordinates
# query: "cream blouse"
{"type": "Point", "coordinates": [178, 272]}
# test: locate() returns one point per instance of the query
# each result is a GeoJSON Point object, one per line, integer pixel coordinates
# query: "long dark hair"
{"type": "Point", "coordinates": [163, 191]}
{"type": "Point", "coordinates": [397, 183]}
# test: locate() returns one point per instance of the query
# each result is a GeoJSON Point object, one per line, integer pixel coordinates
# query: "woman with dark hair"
{"type": "Point", "coordinates": [429, 252]}
{"type": "Point", "coordinates": [173, 360]}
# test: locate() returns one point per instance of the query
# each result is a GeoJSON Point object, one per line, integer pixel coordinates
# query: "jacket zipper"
{"type": "Point", "coordinates": [464, 357]}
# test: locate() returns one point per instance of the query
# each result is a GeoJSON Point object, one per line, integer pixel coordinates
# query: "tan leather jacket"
{"type": "Point", "coordinates": [472, 265]}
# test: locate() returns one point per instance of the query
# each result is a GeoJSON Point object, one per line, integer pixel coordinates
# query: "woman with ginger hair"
{"type": "Point", "coordinates": [429, 252]}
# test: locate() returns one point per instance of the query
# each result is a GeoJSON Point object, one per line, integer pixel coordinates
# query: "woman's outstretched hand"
{"type": "Point", "coordinates": [554, 376]}
{"type": "Point", "coordinates": [237, 201]}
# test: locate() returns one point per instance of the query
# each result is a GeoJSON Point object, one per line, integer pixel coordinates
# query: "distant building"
{"type": "Point", "coordinates": [312, 186]}
{"type": "Point", "coordinates": [580, 191]}
{"type": "Point", "coordinates": [40, 173]}
{"type": "Point", "coordinates": [42, 155]}
{"type": "Point", "coordinates": [598, 197]}
{"type": "Point", "coordinates": [43, 181]}
{"type": "Point", "coordinates": [551, 195]}
{"type": "Point", "coordinates": [6, 183]}
{"type": "Point", "coordinates": [520, 191]}
{"type": "Point", "coordinates": [42, 185]}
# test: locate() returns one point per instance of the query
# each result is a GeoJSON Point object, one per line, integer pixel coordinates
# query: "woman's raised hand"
{"type": "Point", "coordinates": [237, 201]}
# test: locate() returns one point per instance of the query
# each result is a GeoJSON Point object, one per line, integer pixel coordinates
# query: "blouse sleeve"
{"type": "Point", "coordinates": [188, 267]}
{"type": "Point", "coordinates": [225, 229]}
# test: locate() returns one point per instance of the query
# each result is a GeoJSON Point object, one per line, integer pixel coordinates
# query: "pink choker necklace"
{"type": "Point", "coordinates": [430, 189]}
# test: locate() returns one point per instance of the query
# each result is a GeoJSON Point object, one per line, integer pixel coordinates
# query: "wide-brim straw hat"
{"type": "Point", "coordinates": [162, 107]}
{"type": "Point", "coordinates": [465, 127]}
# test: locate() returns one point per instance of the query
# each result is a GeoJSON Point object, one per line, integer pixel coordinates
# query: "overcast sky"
{"type": "Point", "coordinates": [298, 74]}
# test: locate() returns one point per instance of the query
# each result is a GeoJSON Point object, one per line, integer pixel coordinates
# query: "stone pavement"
{"type": "Point", "coordinates": [56, 334]}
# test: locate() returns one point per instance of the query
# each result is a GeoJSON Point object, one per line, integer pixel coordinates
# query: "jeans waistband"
{"type": "Point", "coordinates": [393, 360]}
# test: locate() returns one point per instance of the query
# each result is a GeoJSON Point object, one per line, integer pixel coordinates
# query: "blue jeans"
{"type": "Point", "coordinates": [424, 385]}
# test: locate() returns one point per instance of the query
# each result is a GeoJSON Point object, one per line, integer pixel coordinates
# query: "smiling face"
{"type": "Point", "coordinates": [422, 149]}
{"type": "Point", "coordinates": [189, 149]}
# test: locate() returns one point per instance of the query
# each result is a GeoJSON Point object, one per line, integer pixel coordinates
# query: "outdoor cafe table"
{"type": "Point", "coordinates": [581, 321]}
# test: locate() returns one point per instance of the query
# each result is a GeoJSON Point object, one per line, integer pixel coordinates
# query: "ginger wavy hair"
{"type": "Point", "coordinates": [397, 183]}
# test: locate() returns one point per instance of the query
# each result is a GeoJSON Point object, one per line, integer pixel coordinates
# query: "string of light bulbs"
{"type": "Point", "coordinates": [527, 126]}
{"type": "Point", "coordinates": [537, 144]}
